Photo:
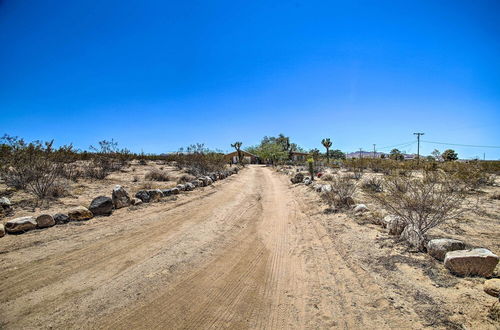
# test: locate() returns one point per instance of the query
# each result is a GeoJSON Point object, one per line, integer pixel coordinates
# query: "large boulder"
{"type": "Point", "coordinates": [209, 180]}
{"type": "Point", "coordinates": [213, 176]}
{"type": "Point", "coordinates": [45, 221]}
{"type": "Point", "coordinates": [101, 205]}
{"type": "Point", "coordinates": [20, 225]}
{"type": "Point", "coordinates": [438, 248]}
{"type": "Point", "coordinates": [120, 197]}
{"type": "Point", "coordinates": [317, 187]}
{"type": "Point", "coordinates": [175, 191]}
{"type": "Point", "coordinates": [394, 224]}
{"type": "Point", "coordinates": [2, 230]}
{"type": "Point", "coordinates": [480, 262]}
{"type": "Point", "coordinates": [155, 195]}
{"type": "Point", "coordinates": [80, 213]}
{"type": "Point", "coordinates": [195, 183]}
{"type": "Point", "coordinates": [143, 195]}
{"type": "Point", "coordinates": [297, 178]}
{"type": "Point", "coordinates": [492, 287]}
{"type": "Point", "coordinates": [181, 187]}
{"type": "Point", "coordinates": [61, 218]}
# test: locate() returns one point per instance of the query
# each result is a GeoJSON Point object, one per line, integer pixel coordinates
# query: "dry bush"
{"type": "Point", "coordinates": [157, 175]}
{"type": "Point", "coordinates": [327, 177]}
{"type": "Point", "coordinates": [341, 195]}
{"type": "Point", "coordinates": [356, 175]}
{"type": "Point", "coordinates": [185, 178]}
{"type": "Point", "coordinates": [422, 203]}
{"type": "Point", "coordinates": [105, 159]}
{"type": "Point", "coordinates": [32, 166]}
{"type": "Point", "coordinates": [495, 196]}
{"type": "Point", "coordinates": [200, 161]}
{"type": "Point", "coordinates": [373, 185]}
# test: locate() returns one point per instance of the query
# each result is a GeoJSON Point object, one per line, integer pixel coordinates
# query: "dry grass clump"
{"type": "Point", "coordinates": [185, 178]}
{"type": "Point", "coordinates": [157, 175]}
{"type": "Point", "coordinates": [373, 185]}
{"type": "Point", "coordinates": [422, 203]}
{"type": "Point", "coordinates": [327, 177]}
{"type": "Point", "coordinates": [341, 195]}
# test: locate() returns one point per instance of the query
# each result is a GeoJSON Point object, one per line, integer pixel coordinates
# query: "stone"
{"type": "Point", "coordinates": [326, 188]}
{"type": "Point", "coordinates": [317, 187]}
{"type": "Point", "coordinates": [135, 201]}
{"type": "Point", "coordinates": [80, 213]}
{"type": "Point", "coordinates": [166, 192]}
{"type": "Point", "coordinates": [2, 230]}
{"type": "Point", "coordinates": [143, 195]}
{"type": "Point", "coordinates": [361, 208]}
{"type": "Point", "coordinates": [175, 191]}
{"type": "Point", "coordinates": [492, 287]}
{"type": "Point", "coordinates": [307, 181]}
{"type": "Point", "coordinates": [209, 180]}
{"type": "Point", "coordinates": [5, 203]}
{"type": "Point", "coordinates": [20, 225]}
{"type": "Point", "coordinates": [394, 224]}
{"type": "Point", "coordinates": [195, 183]}
{"type": "Point", "coordinates": [155, 195]}
{"type": "Point", "coordinates": [213, 177]}
{"type": "Point", "coordinates": [480, 262]}
{"type": "Point", "coordinates": [120, 197]}
{"type": "Point", "coordinates": [297, 178]}
{"type": "Point", "coordinates": [189, 186]}
{"type": "Point", "coordinates": [181, 187]}
{"type": "Point", "coordinates": [61, 218]}
{"type": "Point", "coordinates": [438, 248]}
{"type": "Point", "coordinates": [45, 221]}
{"type": "Point", "coordinates": [101, 205]}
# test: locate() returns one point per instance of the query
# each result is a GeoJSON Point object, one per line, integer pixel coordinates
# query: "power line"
{"type": "Point", "coordinates": [461, 145]}
{"type": "Point", "coordinates": [398, 145]}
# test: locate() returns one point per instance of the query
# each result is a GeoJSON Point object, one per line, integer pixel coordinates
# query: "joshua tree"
{"type": "Point", "coordinates": [237, 146]}
{"type": "Point", "coordinates": [327, 144]}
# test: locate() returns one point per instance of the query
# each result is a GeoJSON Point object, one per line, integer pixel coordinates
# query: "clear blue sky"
{"type": "Point", "coordinates": [157, 75]}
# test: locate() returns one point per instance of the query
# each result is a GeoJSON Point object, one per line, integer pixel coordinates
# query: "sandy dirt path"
{"type": "Point", "coordinates": [239, 254]}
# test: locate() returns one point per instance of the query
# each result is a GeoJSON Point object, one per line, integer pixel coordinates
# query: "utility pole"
{"type": "Point", "coordinates": [374, 150]}
{"type": "Point", "coordinates": [418, 145]}
{"type": "Point", "coordinates": [360, 156]}
{"type": "Point", "coordinates": [484, 156]}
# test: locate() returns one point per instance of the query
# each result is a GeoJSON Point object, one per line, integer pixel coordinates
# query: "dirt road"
{"type": "Point", "coordinates": [243, 253]}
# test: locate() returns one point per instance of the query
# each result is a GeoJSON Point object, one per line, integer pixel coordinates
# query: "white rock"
{"type": "Point", "coordinates": [438, 248]}
{"type": "Point", "coordinates": [20, 225]}
{"type": "Point", "coordinates": [480, 262]}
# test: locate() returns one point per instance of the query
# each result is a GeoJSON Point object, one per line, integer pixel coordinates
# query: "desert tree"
{"type": "Point", "coordinates": [237, 146]}
{"type": "Point", "coordinates": [449, 155]}
{"type": "Point", "coordinates": [327, 144]}
{"type": "Point", "coordinates": [395, 154]}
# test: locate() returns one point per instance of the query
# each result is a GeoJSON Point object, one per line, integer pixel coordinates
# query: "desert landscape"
{"type": "Point", "coordinates": [190, 241]}
{"type": "Point", "coordinates": [250, 164]}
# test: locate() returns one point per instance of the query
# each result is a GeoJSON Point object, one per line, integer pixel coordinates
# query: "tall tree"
{"type": "Point", "coordinates": [237, 146]}
{"type": "Point", "coordinates": [327, 144]}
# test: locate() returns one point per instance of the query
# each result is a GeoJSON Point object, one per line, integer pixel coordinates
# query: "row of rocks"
{"type": "Point", "coordinates": [104, 205]}
{"type": "Point", "coordinates": [457, 259]}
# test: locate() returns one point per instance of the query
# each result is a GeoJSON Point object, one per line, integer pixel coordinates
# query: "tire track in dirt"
{"type": "Point", "coordinates": [249, 255]}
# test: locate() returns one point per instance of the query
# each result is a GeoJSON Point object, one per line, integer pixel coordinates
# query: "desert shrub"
{"type": "Point", "coordinates": [356, 175]}
{"type": "Point", "coordinates": [421, 203]}
{"type": "Point", "coordinates": [142, 162]}
{"type": "Point", "coordinates": [157, 175]}
{"type": "Point", "coordinates": [185, 178]}
{"type": "Point", "coordinates": [327, 177]}
{"type": "Point", "coordinates": [105, 159]}
{"type": "Point", "coordinates": [32, 166]}
{"type": "Point", "coordinates": [341, 195]}
{"type": "Point", "coordinates": [470, 175]}
{"type": "Point", "coordinates": [198, 160]}
{"type": "Point", "coordinates": [58, 189]}
{"type": "Point", "coordinates": [372, 184]}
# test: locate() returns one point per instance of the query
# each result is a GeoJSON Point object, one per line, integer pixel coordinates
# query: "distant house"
{"type": "Point", "coordinates": [248, 158]}
{"type": "Point", "coordinates": [366, 154]}
{"type": "Point", "coordinates": [299, 156]}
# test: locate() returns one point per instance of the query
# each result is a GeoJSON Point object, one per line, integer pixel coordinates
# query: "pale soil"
{"type": "Point", "coordinates": [251, 251]}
